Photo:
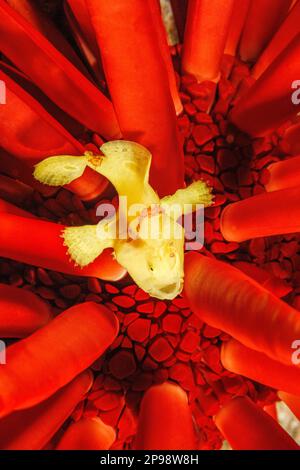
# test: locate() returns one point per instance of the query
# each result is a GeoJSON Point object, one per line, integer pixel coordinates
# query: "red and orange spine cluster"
{"type": "Point", "coordinates": [97, 363]}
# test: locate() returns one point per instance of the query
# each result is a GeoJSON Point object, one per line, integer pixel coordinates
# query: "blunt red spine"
{"type": "Point", "coordinates": [21, 312]}
{"type": "Point", "coordinates": [46, 27]}
{"type": "Point", "coordinates": [268, 103]}
{"type": "Point", "coordinates": [206, 18]}
{"type": "Point", "coordinates": [267, 214]}
{"type": "Point", "coordinates": [237, 22]}
{"type": "Point", "coordinates": [165, 420]}
{"type": "Point", "coordinates": [75, 338]}
{"type": "Point", "coordinates": [284, 174]}
{"type": "Point", "coordinates": [263, 19]}
{"type": "Point", "coordinates": [165, 53]}
{"type": "Point", "coordinates": [33, 428]}
{"type": "Point", "coordinates": [255, 365]}
{"type": "Point", "coordinates": [247, 427]}
{"type": "Point", "coordinates": [86, 103]}
{"type": "Point", "coordinates": [49, 138]}
{"type": "Point", "coordinates": [39, 242]}
{"type": "Point", "coordinates": [222, 296]}
{"type": "Point", "coordinates": [87, 434]}
{"type": "Point", "coordinates": [145, 112]}
{"type": "Point", "coordinates": [283, 36]}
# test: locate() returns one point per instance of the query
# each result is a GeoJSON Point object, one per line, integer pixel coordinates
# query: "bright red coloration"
{"type": "Point", "coordinates": [86, 104]}
{"type": "Point", "coordinates": [52, 356]}
{"type": "Point", "coordinates": [237, 22]}
{"type": "Point", "coordinates": [239, 359]}
{"type": "Point", "coordinates": [48, 138]}
{"type": "Point", "coordinates": [82, 28]}
{"type": "Point", "coordinates": [139, 86]}
{"type": "Point", "coordinates": [21, 312]}
{"type": "Point", "coordinates": [204, 19]}
{"type": "Point", "coordinates": [12, 209]}
{"type": "Point", "coordinates": [226, 298]}
{"type": "Point", "coordinates": [263, 19]}
{"type": "Point", "coordinates": [18, 183]}
{"type": "Point", "coordinates": [264, 215]}
{"type": "Point", "coordinates": [13, 191]}
{"type": "Point", "coordinates": [272, 411]}
{"type": "Point", "coordinates": [40, 21]}
{"type": "Point", "coordinates": [285, 174]}
{"type": "Point", "coordinates": [165, 52]}
{"type": "Point", "coordinates": [165, 420]}
{"type": "Point", "coordinates": [248, 427]}
{"type": "Point", "coordinates": [291, 140]}
{"type": "Point", "coordinates": [38, 242]}
{"type": "Point", "coordinates": [87, 434]}
{"type": "Point", "coordinates": [268, 103]}
{"type": "Point", "coordinates": [158, 341]}
{"type": "Point", "coordinates": [33, 428]}
{"type": "Point", "coordinates": [292, 401]}
{"type": "Point", "coordinates": [269, 281]}
{"type": "Point", "coordinates": [283, 36]}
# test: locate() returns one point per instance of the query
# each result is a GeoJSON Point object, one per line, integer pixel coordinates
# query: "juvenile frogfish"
{"type": "Point", "coordinates": [145, 232]}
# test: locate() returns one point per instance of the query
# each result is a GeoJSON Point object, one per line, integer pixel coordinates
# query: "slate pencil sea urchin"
{"type": "Point", "coordinates": [95, 361]}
